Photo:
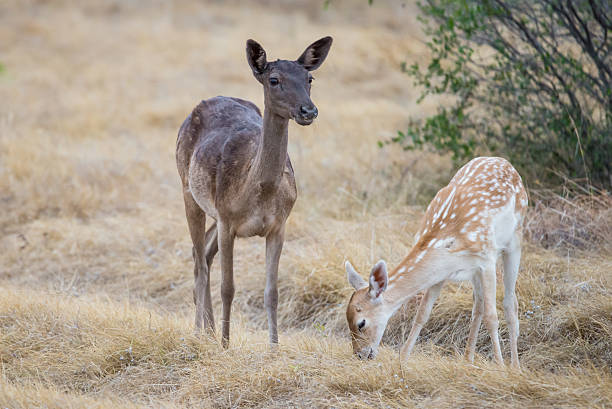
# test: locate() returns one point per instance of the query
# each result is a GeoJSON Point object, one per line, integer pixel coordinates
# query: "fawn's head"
{"type": "Point", "coordinates": [287, 83]}
{"type": "Point", "coordinates": [367, 314]}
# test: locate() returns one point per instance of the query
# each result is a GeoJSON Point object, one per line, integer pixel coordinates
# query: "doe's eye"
{"type": "Point", "coordinates": [310, 80]}
{"type": "Point", "coordinates": [274, 81]}
{"type": "Point", "coordinates": [361, 324]}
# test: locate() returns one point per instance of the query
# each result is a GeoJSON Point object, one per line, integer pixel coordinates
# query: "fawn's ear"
{"type": "Point", "coordinates": [353, 277]}
{"type": "Point", "coordinates": [256, 56]}
{"type": "Point", "coordinates": [378, 279]}
{"type": "Point", "coordinates": [315, 54]}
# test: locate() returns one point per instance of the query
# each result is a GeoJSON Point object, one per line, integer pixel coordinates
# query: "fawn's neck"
{"type": "Point", "coordinates": [421, 269]}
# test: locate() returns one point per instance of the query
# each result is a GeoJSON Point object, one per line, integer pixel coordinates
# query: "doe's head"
{"type": "Point", "coordinates": [287, 83]}
{"type": "Point", "coordinates": [367, 314]}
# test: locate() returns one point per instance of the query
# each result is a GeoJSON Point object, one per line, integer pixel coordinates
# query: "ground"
{"type": "Point", "coordinates": [96, 306]}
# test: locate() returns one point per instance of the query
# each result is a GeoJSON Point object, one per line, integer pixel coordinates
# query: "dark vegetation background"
{"type": "Point", "coordinates": [528, 80]}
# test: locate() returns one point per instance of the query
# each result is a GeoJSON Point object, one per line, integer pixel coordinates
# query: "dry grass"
{"type": "Point", "coordinates": [98, 347]}
{"type": "Point", "coordinates": [577, 219]}
{"type": "Point", "coordinates": [95, 259]}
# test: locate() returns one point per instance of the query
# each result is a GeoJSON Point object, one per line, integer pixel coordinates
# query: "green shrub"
{"type": "Point", "coordinates": [529, 80]}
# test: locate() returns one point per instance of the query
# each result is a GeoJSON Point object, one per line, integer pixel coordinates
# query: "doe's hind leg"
{"type": "Point", "coordinates": [196, 219]}
{"type": "Point", "coordinates": [211, 245]}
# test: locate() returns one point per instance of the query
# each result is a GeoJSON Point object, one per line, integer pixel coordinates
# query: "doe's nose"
{"type": "Point", "coordinates": [309, 111]}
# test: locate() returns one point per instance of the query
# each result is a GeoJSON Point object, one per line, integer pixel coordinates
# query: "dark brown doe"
{"type": "Point", "coordinates": [234, 168]}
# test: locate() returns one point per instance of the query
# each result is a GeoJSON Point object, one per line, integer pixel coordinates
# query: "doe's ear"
{"type": "Point", "coordinates": [353, 277]}
{"type": "Point", "coordinates": [256, 56]}
{"type": "Point", "coordinates": [379, 279]}
{"type": "Point", "coordinates": [315, 54]}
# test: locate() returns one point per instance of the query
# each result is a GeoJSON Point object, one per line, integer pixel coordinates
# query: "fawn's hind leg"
{"type": "Point", "coordinates": [512, 259]}
{"type": "Point", "coordinates": [477, 310]}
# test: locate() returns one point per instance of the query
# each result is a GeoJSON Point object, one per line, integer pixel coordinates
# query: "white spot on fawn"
{"type": "Point", "coordinates": [447, 242]}
{"type": "Point", "coordinates": [420, 256]}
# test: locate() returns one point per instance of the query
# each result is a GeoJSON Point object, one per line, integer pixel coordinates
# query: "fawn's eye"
{"type": "Point", "coordinates": [274, 81]}
{"type": "Point", "coordinates": [361, 324]}
{"type": "Point", "coordinates": [310, 80]}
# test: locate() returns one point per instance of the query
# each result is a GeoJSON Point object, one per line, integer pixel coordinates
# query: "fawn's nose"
{"type": "Point", "coordinates": [367, 353]}
{"type": "Point", "coordinates": [309, 112]}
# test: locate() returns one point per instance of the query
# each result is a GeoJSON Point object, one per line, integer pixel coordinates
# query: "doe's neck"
{"type": "Point", "coordinates": [271, 156]}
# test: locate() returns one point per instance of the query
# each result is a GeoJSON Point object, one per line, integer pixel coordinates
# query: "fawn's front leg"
{"type": "Point", "coordinates": [420, 319]}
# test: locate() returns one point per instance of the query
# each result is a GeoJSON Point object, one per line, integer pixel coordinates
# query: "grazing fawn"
{"type": "Point", "coordinates": [234, 168]}
{"type": "Point", "coordinates": [468, 224]}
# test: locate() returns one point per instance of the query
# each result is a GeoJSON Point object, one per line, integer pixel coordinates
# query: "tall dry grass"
{"type": "Point", "coordinates": [95, 259]}
{"type": "Point", "coordinates": [577, 218]}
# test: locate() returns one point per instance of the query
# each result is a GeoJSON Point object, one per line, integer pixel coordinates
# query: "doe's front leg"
{"type": "Point", "coordinates": [226, 249]}
{"type": "Point", "coordinates": [274, 247]}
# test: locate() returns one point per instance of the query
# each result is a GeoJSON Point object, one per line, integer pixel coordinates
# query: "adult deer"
{"type": "Point", "coordinates": [468, 224]}
{"type": "Point", "coordinates": [234, 168]}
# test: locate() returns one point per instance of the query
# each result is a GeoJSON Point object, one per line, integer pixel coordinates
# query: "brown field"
{"type": "Point", "coordinates": [96, 305]}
